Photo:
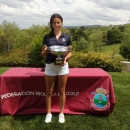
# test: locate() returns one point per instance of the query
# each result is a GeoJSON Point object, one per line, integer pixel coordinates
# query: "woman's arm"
{"type": "Point", "coordinates": [68, 56]}
{"type": "Point", "coordinates": [45, 51]}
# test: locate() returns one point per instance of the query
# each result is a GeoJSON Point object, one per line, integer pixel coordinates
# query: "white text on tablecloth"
{"type": "Point", "coordinates": [32, 93]}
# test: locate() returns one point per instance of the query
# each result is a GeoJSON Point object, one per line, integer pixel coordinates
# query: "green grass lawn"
{"type": "Point", "coordinates": [114, 50]}
{"type": "Point", "coordinates": [111, 48]}
{"type": "Point", "coordinates": [118, 120]}
{"type": "Point", "coordinates": [108, 48]}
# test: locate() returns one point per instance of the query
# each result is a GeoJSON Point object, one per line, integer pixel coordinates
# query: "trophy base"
{"type": "Point", "coordinates": [58, 62]}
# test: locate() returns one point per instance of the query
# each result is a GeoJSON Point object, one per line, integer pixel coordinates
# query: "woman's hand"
{"type": "Point", "coordinates": [64, 62]}
{"type": "Point", "coordinates": [68, 56]}
{"type": "Point", "coordinates": [45, 51]}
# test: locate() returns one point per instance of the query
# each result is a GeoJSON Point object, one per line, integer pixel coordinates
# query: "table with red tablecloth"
{"type": "Point", "coordinates": [88, 91]}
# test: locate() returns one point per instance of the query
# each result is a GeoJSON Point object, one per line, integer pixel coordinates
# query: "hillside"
{"type": "Point", "coordinates": [111, 48]}
{"type": "Point", "coordinates": [86, 26]}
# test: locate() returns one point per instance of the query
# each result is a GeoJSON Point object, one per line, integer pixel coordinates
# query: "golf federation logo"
{"type": "Point", "coordinates": [100, 100]}
{"type": "Point", "coordinates": [63, 39]}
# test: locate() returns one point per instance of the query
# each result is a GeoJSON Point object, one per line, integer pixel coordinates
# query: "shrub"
{"type": "Point", "coordinates": [14, 58]}
{"type": "Point", "coordinates": [95, 60]}
{"type": "Point", "coordinates": [79, 60]}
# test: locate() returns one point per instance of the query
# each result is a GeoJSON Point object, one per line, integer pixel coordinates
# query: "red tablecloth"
{"type": "Point", "coordinates": [88, 91]}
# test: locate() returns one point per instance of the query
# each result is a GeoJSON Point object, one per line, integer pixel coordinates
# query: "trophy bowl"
{"type": "Point", "coordinates": [59, 51]}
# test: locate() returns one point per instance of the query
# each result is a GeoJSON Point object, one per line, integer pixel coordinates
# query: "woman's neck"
{"type": "Point", "coordinates": [57, 34]}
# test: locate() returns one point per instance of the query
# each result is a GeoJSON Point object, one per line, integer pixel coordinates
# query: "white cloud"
{"type": "Point", "coordinates": [84, 12]}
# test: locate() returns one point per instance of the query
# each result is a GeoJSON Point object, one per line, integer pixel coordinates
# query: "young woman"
{"type": "Point", "coordinates": [58, 38]}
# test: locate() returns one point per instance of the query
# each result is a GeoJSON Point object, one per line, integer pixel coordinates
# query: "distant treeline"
{"type": "Point", "coordinates": [84, 38]}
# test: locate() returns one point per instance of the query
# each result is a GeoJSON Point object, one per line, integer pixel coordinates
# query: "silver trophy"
{"type": "Point", "coordinates": [59, 51]}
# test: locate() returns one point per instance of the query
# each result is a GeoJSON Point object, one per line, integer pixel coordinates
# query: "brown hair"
{"type": "Point", "coordinates": [51, 20]}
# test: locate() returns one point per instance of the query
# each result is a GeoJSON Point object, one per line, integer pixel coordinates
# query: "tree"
{"type": "Point", "coordinates": [125, 50]}
{"type": "Point", "coordinates": [36, 46]}
{"type": "Point", "coordinates": [125, 46]}
{"type": "Point", "coordinates": [114, 36]}
{"type": "Point", "coordinates": [22, 40]}
{"type": "Point", "coordinates": [78, 33]}
{"type": "Point", "coordinates": [2, 40]}
{"type": "Point", "coordinates": [10, 31]}
{"type": "Point", "coordinates": [81, 45]}
{"type": "Point", "coordinates": [96, 39]}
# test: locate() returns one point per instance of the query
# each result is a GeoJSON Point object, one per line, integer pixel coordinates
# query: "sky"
{"type": "Point", "coordinates": [26, 13]}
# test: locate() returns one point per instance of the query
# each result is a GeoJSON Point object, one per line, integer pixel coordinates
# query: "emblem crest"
{"type": "Point", "coordinates": [63, 39]}
{"type": "Point", "coordinates": [100, 100]}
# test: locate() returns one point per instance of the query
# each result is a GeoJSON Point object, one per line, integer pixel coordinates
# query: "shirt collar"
{"type": "Point", "coordinates": [62, 34]}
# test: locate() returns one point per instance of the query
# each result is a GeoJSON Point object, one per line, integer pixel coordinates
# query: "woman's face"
{"type": "Point", "coordinates": [57, 24]}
